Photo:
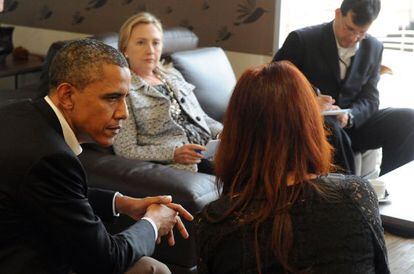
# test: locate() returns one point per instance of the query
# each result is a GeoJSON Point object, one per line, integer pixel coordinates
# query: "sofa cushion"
{"type": "Point", "coordinates": [209, 70]}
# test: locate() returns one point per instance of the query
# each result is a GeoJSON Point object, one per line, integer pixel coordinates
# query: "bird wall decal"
{"type": "Point", "coordinates": [126, 2]}
{"type": "Point", "coordinates": [11, 6]}
{"type": "Point", "coordinates": [168, 10]}
{"type": "Point", "coordinates": [77, 18]}
{"type": "Point", "coordinates": [96, 4]}
{"type": "Point", "coordinates": [45, 13]}
{"type": "Point", "coordinates": [223, 34]}
{"type": "Point", "coordinates": [249, 13]}
{"type": "Point", "coordinates": [206, 5]}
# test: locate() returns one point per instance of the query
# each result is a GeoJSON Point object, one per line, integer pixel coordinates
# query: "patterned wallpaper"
{"type": "Point", "coordinates": [236, 25]}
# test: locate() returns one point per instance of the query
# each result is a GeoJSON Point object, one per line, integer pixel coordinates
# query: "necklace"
{"type": "Point", "coordinates": [175, 108]}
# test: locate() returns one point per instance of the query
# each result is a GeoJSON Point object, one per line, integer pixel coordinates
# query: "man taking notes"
{"type": "Point", "coordinates": [48, 218]}
{"type": "Point", "coordinates": [343, 61]}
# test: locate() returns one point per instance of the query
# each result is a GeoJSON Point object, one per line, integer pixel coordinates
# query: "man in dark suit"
{"type": "Point", "coordinates": [48, 218]}
{"type": "Point", "coordinates": [342, 61]}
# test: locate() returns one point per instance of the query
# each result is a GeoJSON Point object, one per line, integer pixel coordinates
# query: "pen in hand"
{"type": "Point", "coordinates": [325, 101]}
{"type": "Point", "coordinates": [317, 91]}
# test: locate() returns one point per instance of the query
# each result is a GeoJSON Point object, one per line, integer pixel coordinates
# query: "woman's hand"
{"type": "Point", "coordinates": [188, 154]}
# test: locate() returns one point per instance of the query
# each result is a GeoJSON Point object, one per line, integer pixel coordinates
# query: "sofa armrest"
{"type": "Point", "coordinates": [140, 179]}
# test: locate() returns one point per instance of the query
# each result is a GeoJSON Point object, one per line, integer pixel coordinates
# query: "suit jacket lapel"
{"type": "Point", "coordinates": [330, 50]}
{"type": "Point", "coordinates": [49, 115]}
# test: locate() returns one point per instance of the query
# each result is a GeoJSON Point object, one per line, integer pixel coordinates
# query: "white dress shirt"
{"type": "Point", "coordinates": [345, 55]}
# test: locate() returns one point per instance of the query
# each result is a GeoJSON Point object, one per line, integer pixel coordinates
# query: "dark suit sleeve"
{"type": "Point", "coordinates": [292, 50]}
{"type": "Point", "coordinates": [101, 202]}
{"type": "Point", "coordinates": [367, 101]}
{"type": "Point", "coordinates": [54, 199]}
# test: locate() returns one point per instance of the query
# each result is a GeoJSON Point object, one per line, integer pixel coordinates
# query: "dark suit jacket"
{"type": "Point", "coordinates": [314, 51]}
{"type": "Point", "coordinates": [48, 219]}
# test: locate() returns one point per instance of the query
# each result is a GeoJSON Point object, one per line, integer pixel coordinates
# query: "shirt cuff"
{"type": "Point", "coordinates": [153, 226]}
{"type": "Point", "coordinates": [116, 214]}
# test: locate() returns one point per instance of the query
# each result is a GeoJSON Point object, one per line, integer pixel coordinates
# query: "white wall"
{"type": "Point", "coordinates": [241, 61]}
{"type": "Point", "coordinates": [38, 40]}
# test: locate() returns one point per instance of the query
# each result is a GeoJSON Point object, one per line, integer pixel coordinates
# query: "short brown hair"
{"type": "Point", "coordinates": [363, 11]}
{"type": "Point", "coordinates": [80, 62]}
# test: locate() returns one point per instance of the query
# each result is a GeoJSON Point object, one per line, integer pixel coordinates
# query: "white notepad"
{"type": "Point", "coordinates": [211, 148]}
{"type": "Point", "coordinates": [336, 112]}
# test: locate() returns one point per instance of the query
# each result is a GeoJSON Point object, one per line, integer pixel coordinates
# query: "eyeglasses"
{"type": "Point", "coordinates": [352, 31]}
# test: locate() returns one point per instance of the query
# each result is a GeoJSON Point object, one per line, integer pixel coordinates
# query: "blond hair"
{"type": "Point", "coordinates": [128, 26]}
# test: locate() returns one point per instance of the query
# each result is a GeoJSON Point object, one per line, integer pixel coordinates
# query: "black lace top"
{"type": "Point", "coordinates": [340, 234]}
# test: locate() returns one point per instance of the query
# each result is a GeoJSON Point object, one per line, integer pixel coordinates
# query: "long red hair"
{"type": "Point", "coordinates": [273, 132]}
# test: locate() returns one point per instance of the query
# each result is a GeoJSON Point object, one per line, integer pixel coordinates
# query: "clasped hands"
{"type": "Point", "coordinates": [160, 209]}
{"type": "Point", "coordinates": [326, 102]}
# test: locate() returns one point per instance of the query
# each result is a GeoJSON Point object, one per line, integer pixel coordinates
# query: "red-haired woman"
{"type": "Point", "coordinates": [280, 211]}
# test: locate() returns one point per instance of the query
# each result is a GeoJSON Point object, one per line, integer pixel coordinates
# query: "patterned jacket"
{"type": "Point", "coordinates": [150, 133]}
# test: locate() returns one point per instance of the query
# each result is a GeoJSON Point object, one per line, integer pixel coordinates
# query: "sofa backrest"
{"type": "Point", "coordinates": [209, 70]}
{"type": "Point", "coordinates": [178, 39]}
{"type": "Point", "coordinates": [175, 39]}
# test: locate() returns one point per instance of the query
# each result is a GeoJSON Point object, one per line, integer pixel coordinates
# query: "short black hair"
{"type": "Point", "coordinates": [364, 11]}
{"type": "Point", "coordinates": [80, 62]}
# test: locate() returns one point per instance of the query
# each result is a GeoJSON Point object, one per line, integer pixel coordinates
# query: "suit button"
{"type": "Point", "coordinates": [182, 100]}
{"type": "Point", "coordinates": [198, 119]}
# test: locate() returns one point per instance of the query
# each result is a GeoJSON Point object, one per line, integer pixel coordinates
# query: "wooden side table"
{"type": "Point", "coordinates": [17, 67]}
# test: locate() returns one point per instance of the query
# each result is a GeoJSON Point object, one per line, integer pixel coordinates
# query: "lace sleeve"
{"type": "Point", "coordinates": [361, 192]}
{"type": "Point", "coordinates": [364, 196]}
